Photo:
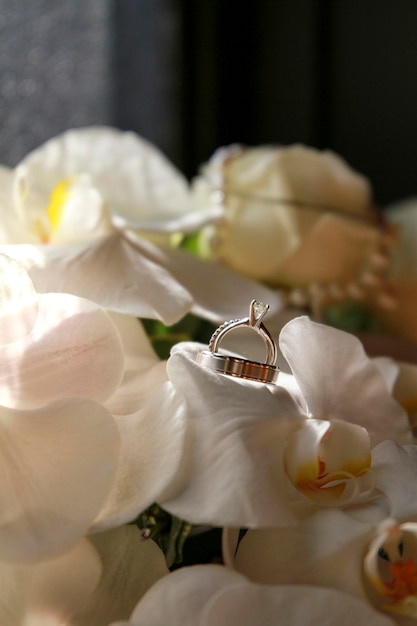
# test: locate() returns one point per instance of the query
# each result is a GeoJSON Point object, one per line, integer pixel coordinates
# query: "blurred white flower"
{"type": "Point", "coordinates": [368, 550]}
{"type": "Point", "coordinates": [98, 580]}
{"type": "Point", "coordinates": [79, 209]}
{"type": "Point", "coordinates": [288, 215]}
{"type": "Point", "coordinates": [77, 448]}
{"type": "Point", "coordinates": [217, 596]}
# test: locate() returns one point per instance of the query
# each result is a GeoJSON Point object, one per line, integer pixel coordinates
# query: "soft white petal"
{"type": "Point", "coordinates": [389, 369]}
{"type": "Point", "coordinates": [133, 176]}
{"type": "Point", "coordinates": [73, 349]}
{"type": "Point", "coordinates": [11, 228]}
{"type": "Point", "coordinates": [235, 451]}
{"type": "Point", "coordinates": [335, 250]}
{"type": "Point", "coordinates": [82, 212]}
{"type": "Point", "coordinates": [180, 597]}
{"type": "Point", "coordinates": [151, 458]}
{"type": "Point", "coordinates": [58, 464]}
{"type": "Point", "coordinates": [326, 549]}
{"type": "Point", "coordinates": [211, 595]}
{"type": "Point", "coordinates": [18, 301]}
{"type": "Point", "coordinates": [110, 272]}
{"type": "Point", "coordinates": [251, 605]}
{"type": "Point", "coordinates": [137, 347]}
{"type": "Point", "coordinates": [340, 382]}
{"type": "Point", "coordinates": [218, 292]}
{"type": "Point", "coordinates": [51, 592]}
{"type": "Point", "coordinates": [395, 471]}
{"type": "Point", "coordinates": [98, 580]}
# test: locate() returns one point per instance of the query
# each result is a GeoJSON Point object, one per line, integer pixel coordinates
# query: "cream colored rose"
{"type": "Point", "coordinates": [291, 215]}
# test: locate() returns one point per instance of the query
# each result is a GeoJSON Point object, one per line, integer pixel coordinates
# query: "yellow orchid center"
{"type": "Point", "coordinates": [324, 459]}
{"type": "Point", "coordinates": [57, 200]}
{"type": "Point", "coordinates": [314, 477]}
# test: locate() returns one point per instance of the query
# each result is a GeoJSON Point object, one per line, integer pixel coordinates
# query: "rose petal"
{"type": "Point", "coordinates": [335, 250]}
{"type": "Point", "coordinates": [238, 429]}
{"type": "Point", "coordinates": [73, 350]}
{"type": "Point", "coordinates": [339, 381]}
{"type": "Point", "coordinates": [58, 464]}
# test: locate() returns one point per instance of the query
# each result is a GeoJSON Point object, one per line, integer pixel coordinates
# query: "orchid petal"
{"type": "Point", "coordinates": [390, 566]}
{"type": "Point", "coordinates": [351, 385]}
{"type": "Point", "coordinates": [58, 464]}
{"type": "Point", "coordinates": [326, 549]}
{"type": "Point", "coordinates": [151, 458]}
{"type": "Point", "coordinates": [11, 229]}
{"type": "Point", "coordinates": [250, 605]}
{"type": "Point", "coordinates": [18, 301]}
{"type": "Point", "coordinates": [219, 293]}
{"type": "Point", "coordinates": [133, 176]}
{"type": "Point", "coordinates": [68, 216]}
{"type": "Point", "coordinates": [405, 392]}
{"type": "Point", "coordinates": [323, 458]}
{"type": "Point", "coordinates": [56, 360]}
{"type": "Point", "coordinates": [211, 595]}
{"type": "Point", "coordinates": [395, 471]}
{"type": "Point", "coordinates": [137, 347]}
{"type": "Point", "coordinates": [238, 430]}
{"type": "Point", "coordinates": [51, 592]}
{"type": "Point", "coordinates": [96, 581]}
{"type": "Point", "coordinates": [134, 284]}
{"type": "Point", "coordinates": [389, 369]}
{"type": "Point", "coordinates": [180, 597]}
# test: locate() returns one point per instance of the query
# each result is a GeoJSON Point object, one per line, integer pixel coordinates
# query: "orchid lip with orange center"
{"type": "Point", "coordinates": [404, 580]}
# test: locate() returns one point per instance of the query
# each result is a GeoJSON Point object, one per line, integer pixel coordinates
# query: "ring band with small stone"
{"type": "Point", "coordinates": [266, 372]}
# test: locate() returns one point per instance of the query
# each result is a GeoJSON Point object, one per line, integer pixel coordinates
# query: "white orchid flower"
{"type": "Point", "coordinates": [212, 595]}
{"type": "Point", "coordinates": [351, 409]}
{"type": "Point", "coordinates": [286, 449]}
{"type": "Point", "coordinates": [368, 550]}
{"type": "Point", "coordinates": [76, 210]}
{"type": "Point", "coordinates": [77, 449]}
{"type": "Point", "coordinates": [98, 580]}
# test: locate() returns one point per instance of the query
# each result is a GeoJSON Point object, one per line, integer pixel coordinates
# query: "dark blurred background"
{"type": "Point", "coordinates": [192, 75]}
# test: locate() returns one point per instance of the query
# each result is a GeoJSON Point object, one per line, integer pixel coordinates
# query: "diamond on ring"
{"type": "Point", "coordinates": [266, 372]}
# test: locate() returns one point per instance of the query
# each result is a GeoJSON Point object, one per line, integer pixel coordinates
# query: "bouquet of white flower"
{"type": "Point", "coordinates": [168, 457]}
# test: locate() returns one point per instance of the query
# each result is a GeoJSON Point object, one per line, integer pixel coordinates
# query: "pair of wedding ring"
{"type": "Point", "coordinates": [266, 372]}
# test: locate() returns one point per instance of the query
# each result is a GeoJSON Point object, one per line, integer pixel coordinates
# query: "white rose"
{"type": "Point", "coordinates": [291, 215]}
